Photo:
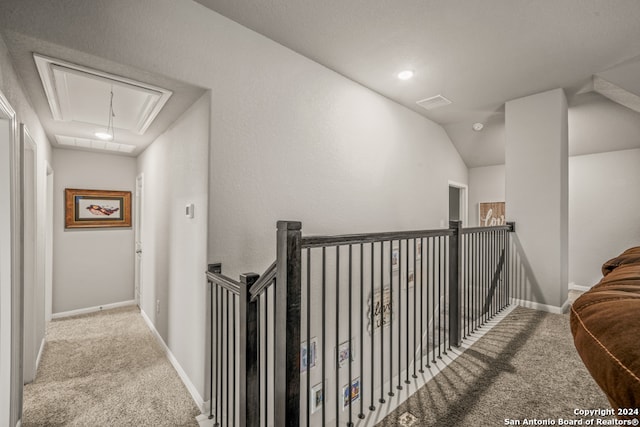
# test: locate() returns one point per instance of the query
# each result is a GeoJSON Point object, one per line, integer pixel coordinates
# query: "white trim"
{"type": "Point", "coordinates": [92, 309]}
{"type": "Point", "coordinates": [19, 424]}
{"type": "Point", "coordinates": [464, 201]}
{"type": "Point", "coordinates": [541, 307]}
{"type": "Point", "coordinates": [40, 354]}
{"type": "Point", "coordinates": [9, 258]}
{"type": "Point", "coordinates": [176, 365]}
{"type": "Point", "coordinates": [59, 102]}
{"type": "Point", "coordinates": [574, 287]}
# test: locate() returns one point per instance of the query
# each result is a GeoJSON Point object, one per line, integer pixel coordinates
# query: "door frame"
{"type": "Point", "coordinates": [464, 201]}
{"type": "Point", "coordinates": [48, 242]}
{"type": "Point", "coordinates": [137, 227]}
{"type": "Point", "coordinates": [31, 261]}
{"type": "Point", "coordinates": [10, 271]}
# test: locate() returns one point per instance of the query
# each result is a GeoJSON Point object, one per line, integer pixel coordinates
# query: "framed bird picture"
{"type": "Point", "coordinates": [97, 208]}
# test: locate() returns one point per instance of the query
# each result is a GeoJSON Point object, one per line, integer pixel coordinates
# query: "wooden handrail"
{"type": "Point", "coordinates": [224, 281]}
{"type": "Point", "coordinates": [263, 282]}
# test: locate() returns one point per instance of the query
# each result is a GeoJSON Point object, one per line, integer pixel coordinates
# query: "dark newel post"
{"type": "Point", "coordinates": [512, 229]}
{"type": "Point", "coordinates": [249, 389]}
{"type": "Point", "coordinates": [211, 268]}
{"type": "Point", "coordinates": [287, 324]}
{"type": "Point", "coordinates": [455, 260]}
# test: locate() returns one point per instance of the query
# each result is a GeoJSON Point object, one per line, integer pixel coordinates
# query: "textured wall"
{"type": "Point", "coordinates": [11, 88]}
{"type": "Point", "coordinates": [175, 172]}
{"type": "Point", "coordinates": [604, 211]}
{"type": "Point", "coordinates": [536, 194]}
{"type": "Point", "coordinates": [486, 184]}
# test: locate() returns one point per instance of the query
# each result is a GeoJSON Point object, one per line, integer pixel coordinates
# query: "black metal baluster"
{"type": "Point", "coordinates": [266, 356]}
{"type": "Point", "coordinates": [211, 344]}
{"type": "Point", "coordinates": [226, 397]}
{"type": "Point", "coordinates": [233, 350]}
{"type": "Point", "coordinates": [350, 423]}
{"type": "Point", "coordinates": [433, 300]}
{"type": "Point", "coordinates": [338, 391]}
{"type": "Point", "coordinates": [441, 308]}
{"type": "Point", "coordinates": [428, 270]}
{"type": "Point", "coordinates": [421, 370]}
{"type": "Point", "coordinates": [382, 307]}
{"type": "Point", "coordinates": [406, 323]}
{"type": "Point", "coordinates": [309, 355]}
{"type": "Point", "coordinates": [447, 312]}
{"type": "Point", "coordinates": [324, 335]}
{"type": "Point", "coordinates": [361, 414]}
{"type": "Point", "coordinates": [400, 318]}
{"type": "Point", "coordinates": [373, 327]}
{"type": "Point", "coordinates": [415, 297]}
{"type": "Point", "coordinates": [391, 318]}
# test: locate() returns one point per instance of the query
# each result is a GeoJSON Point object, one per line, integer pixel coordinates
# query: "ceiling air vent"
{"type": "Point", "coordinates": [433, 102]}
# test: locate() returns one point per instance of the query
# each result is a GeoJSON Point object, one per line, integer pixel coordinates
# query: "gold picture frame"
{"type": "Point", "coordinates": [97, 208]}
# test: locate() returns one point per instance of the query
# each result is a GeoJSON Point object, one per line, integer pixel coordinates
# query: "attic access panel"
{"type": "Point", "coordinates": [80, 94]}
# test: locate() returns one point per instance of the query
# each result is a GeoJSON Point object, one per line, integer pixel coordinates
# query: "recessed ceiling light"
{"type": "Point", "coordinates": [104, 136]}
{"type": "Point", "coordinates": [405, 75]}
{"type": "Point", "coordinates": [477, 127]}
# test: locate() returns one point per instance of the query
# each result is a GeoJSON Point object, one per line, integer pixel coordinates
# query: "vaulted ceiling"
{"type": "Point", "coordinates": [478, 54]}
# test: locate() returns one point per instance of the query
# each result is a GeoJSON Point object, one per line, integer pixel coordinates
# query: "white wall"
{"type": "Point", "coordinates": [486, 184]}
{"type": "Point", "coordinates": [11, 87]}
{"type": "Point", "coordinates": [175, 171]}
{"type": "Point", "coordinates": [604, 211]}
{"type": "Point", "coordinates": [91, 267]}
{"type": "Point", "coordinates": [536, 194]}
{"type": "Point", "coordinates": [290, 139]}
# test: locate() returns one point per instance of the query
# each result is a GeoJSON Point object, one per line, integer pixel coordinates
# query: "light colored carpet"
{"type": "Point", "coordinates": [525, 367]}
{"type": "Point", "coordinates": [106, 369]}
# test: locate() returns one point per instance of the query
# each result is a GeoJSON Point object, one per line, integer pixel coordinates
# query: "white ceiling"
{"type": "Point", "coordinates": [478, 54]}
{"type": "Point", "coordinates": [70, 92]}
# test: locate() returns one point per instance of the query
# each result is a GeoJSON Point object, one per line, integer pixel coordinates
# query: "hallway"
{"type": "Point", "coordinates": [106, 369]}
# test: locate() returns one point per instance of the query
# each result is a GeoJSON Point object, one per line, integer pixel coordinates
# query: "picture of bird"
{"type": "Point", "coordinates": [102, 210]}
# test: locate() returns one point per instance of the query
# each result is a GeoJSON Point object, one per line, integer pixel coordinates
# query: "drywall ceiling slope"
{"type": "Point", "coordinates": [22, 48]}
{"type": "Point", "coordinates": [598, 125]}
{"type": "Point", "coordinates": [477, 54]}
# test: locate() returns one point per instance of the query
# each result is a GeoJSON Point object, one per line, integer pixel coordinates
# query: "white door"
{"type": "Point", "coordinates": [138, 239]}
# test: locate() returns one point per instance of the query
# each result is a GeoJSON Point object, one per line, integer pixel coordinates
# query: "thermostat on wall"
{"type": "Point", "coordinates": [189, 210]}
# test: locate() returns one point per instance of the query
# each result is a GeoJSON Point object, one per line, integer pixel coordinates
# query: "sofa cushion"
{"type": "Point", "coordinates": [625, 258]}
{"type": "Point", "coordinates": [605, 322]}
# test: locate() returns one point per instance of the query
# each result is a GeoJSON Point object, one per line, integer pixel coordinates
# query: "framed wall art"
{"type": "Point", "coordinates": [491, 214]}
{"type": "Point", "coordinates": [97, 208]}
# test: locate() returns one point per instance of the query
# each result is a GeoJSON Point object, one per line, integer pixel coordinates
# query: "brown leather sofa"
{"type": "Point", "coordinates": [605, 322]}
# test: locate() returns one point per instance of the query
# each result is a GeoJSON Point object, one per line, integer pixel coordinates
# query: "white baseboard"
{"type": "Point", "coordinates": [574, 287]}
{"type": "Point", "coordinates": [39, 355]}
{"type": "Point", "coordinates": [176, 365]}
{"type": "Point", "coordinates": [92, 309]}
{"type": "Point", "coordinates": [541, 307]}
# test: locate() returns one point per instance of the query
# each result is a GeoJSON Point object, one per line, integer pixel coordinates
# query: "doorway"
{"type": "Point", "coordinates": [458, 202]}
{"type": "Point", "coordinates": [48, 245]}
{"type": "Point", "coordinates": [33, 306]}
{"type": "Point", "coordinates": [137, 225]}
{"type": "Point", "coordinates": [10, 272]}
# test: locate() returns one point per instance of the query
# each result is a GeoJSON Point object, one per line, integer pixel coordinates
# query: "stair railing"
{"type": "Point", "coordinates": [399, 297]}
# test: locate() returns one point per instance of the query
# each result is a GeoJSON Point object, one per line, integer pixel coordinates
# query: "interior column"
{"type": "Point", "coordinates": [536, 170]}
